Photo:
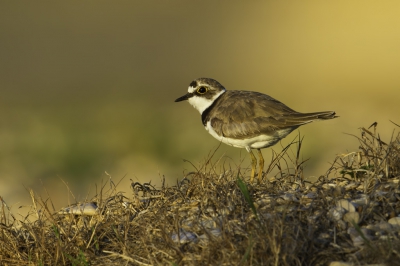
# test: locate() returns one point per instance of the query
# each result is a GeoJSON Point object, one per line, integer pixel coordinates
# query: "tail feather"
{"type": "Point", "coordinates": [309, 117]}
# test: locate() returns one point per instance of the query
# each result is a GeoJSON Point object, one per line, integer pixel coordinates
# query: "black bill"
{"type": "Point", "coordinates": [184, 97]}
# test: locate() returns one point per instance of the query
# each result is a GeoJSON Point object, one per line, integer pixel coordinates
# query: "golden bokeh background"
{"type": "Point", "coordinates": [89, 86]}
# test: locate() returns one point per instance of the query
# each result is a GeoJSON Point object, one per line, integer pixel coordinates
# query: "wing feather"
{"type": "Point", "coordinates": [254, 113]}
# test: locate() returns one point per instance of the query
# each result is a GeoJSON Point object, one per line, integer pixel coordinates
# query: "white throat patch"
{"type": "Point", "coordinates": [201, 103]}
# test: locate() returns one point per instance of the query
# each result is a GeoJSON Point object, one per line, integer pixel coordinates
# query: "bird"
{"type": "Point", "coordinates": [245, 119]}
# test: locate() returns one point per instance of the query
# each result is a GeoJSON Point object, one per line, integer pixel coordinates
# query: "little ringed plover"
{"type": "Point", "coordinates": [245, 119]}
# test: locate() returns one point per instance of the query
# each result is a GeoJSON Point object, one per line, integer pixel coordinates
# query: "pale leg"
{"type": "Point", "coordinates": [261, 165]}
{"type": "Point", "coordinates": [253, 166]}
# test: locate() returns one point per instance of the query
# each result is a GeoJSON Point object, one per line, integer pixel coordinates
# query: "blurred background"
{"type": "Point", "coordinates": [89, 87]}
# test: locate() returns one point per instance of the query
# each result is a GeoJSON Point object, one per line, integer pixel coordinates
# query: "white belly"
{"type": "Point", "coordinates": [258, 142]}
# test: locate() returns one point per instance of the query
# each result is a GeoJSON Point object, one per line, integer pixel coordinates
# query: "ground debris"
{"type": "Point", "coordinates": [349, 216]}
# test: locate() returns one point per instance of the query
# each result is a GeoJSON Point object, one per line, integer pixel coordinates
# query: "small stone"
{"type": "Point", "coordinates": [342, 225]}
{"type": "Point", "coordinates": [380, 193]}
{"type": "Point", "coordinates": [395, 181]}
{"type": "Point", "coordinates": [89, 208]}
{"type": "Point", "coordinates": [324, 236]}
{"type": "Point", "coordinates": [263, 201]}
{"type": "Point", "coordinates": [285, 208]}
{"type": "Point", "coordinates": [208, 223]}
{"type": "Point", "coordinates": [360, 187]}
{"type": "Point", "coordinates": [315, 216]}
{"type": "Point", "coordinates": [347, 205]}
{"type": "Point", "coordinates": [328, 186]}
{"type": "Point", "coordinates": [395, 221]}
{"type": "Point", "coordinates": [340, 263]}
{"type": "Point", "coordinates": [358, 240]}
{"type": "Point", "coordinates": [351, 186]}
{"type": "Point", "coordinates": [310, 195]}
{"type": "Point", "coordinates": [384, 237]}
{"type": "Point", "coordinates": [336, 213]}
{"type": "Point", "coordinates": [385, 226]}
{"type": "Point", "coordinates": [351, 217]}
{"type": "Point", "coordinates": [375, 228]}
{"type": "Point", "coordinates": [338, 191]}
{"type": "Point", "coordinates": [289, 197]}
{"type": "Point", "coordinates": [363, 200]}
{"type": "Point", "coordinates": [184, 237]}
{"type": "Point", "coordinates": [215, 233]}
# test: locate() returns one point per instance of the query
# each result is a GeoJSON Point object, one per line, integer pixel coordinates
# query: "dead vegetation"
{"type": "Point", "coordinates": [214, 217]}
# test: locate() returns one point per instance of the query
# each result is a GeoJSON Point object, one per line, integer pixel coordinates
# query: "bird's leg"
{"type": "Point", "coordinates": [253, 166]}
{"type": "Point", "coordinates": [261, 165]}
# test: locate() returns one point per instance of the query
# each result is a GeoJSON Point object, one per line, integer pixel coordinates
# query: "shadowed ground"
{"type": "Point", "coordinates": [214, 217]}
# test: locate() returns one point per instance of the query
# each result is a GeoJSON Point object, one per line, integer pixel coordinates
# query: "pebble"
{"type": "Point", "coordinates": [347, 205]}
{"type": "Point", "coordinates": [363, 200]}
{"type": "Point", "coordinates": [395, 221]}
{"type": "Point", "coordinates": [359, 239]}
{"type": "Point", "coordinates": [89, 208]}
{"type": "Point", "coordinates": [351, 217]}
{"type": "Point", "coordinates": [340, 263]}
{"type": "Point", "coordinates": [336, 213]}
{"type": "Point", "coordinates": [184, 237]}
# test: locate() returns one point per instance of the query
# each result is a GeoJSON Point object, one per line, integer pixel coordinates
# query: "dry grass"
{"type": "Point", "coordinates": [214, 217]}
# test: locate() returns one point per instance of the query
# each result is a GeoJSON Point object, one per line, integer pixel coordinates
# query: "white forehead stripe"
{"type": "Point", "coordinates": [191, 89]}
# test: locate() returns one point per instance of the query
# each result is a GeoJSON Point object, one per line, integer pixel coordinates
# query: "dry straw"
{"type": "Point", "coordinates": [213, 216]}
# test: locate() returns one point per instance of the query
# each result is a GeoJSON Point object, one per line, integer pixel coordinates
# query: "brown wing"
{"type": "Point", "coordinates": [254, 113]}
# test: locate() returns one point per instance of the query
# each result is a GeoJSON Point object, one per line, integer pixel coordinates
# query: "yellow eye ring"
{"type": "Point", "coordinates": [202, 90]}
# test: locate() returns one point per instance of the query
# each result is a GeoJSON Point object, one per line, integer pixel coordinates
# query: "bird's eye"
{"type": "Point", "coordinates": [202, 90]}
